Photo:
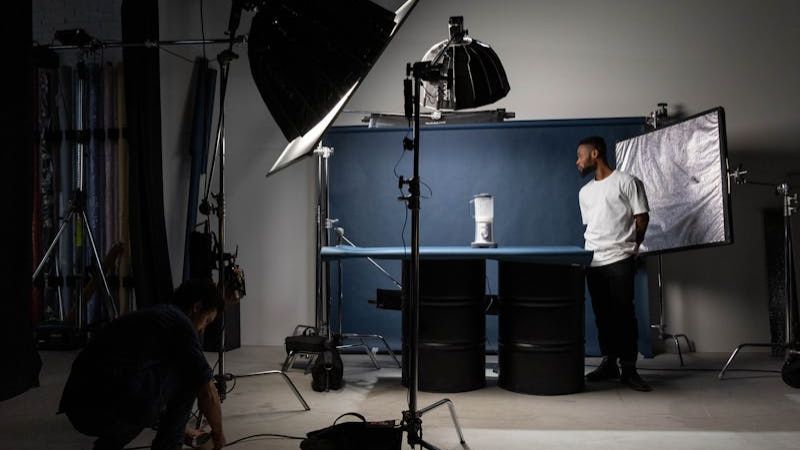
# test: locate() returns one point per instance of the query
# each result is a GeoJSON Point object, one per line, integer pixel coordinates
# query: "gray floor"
{"type": "Point", "coordinates": [687, 409]}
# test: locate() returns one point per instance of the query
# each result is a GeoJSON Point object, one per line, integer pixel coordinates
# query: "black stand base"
{"type": "Point", "coordinates": [790, 349]}
{"type": "Point", "coordinates": [676, 339]}
{"type": "Point", "coordinates": [285, 378]}
{"type": "Point", "coordinates": [412, 425]}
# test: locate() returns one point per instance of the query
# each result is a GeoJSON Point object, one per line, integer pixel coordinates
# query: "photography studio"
{"type": "Point", "coordinates": [386, 224]}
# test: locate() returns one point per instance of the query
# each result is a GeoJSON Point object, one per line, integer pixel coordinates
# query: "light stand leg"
{"type": "Point", "coordinates": [285, 378]}
{"type": "Point", "coordinates": [340, 303]}
{"type": "Point", "coordinates": [376, 337]}
{"type": "Point", "coordinates": [736, 352]}
{"type": "Point", "coordinates": [100, 268]}
{"type": "Point", "coordinates": [60, 293]}
{"type": "Point", "coordinates": [340, 317]}
{"type": "Point", "coordinates": [57, 237]}
{"type": "Point", "coordinates": [452, 408]}
{"type": "Point", "coordinates": [287, 363]}
{"type": "Point", "coordinates": [366, 349]}
{"type": "Point", "coordinates": [661, 326]}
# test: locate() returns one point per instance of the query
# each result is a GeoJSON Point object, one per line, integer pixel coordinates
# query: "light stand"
{"type": "Point", "coordinates": [221, 378]}
{"type": "Point", "coordinates": [323, 297]}
{"type": "Point", "coordinates": [77, 210]}
{"type": "Point", "coordinates": [341, 239]}
{"type": "Point", "coordinates": [657, 118]}
{"type": "Point", "coordinates": [661, 326]}
{"type": "Point", "coordinates": [224, 58]}
{"type": "Point", "coordinates": [412, 418]}
{"type": "Point", "coordinates": [791, 345]}
{"type": "Point", "coordinates": [478, 88]}
{"type": "Point", "coordinates": [324, 224]}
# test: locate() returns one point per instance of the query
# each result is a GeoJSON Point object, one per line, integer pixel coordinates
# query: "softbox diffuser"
{"type": "Point", "coordinates": [307, 58]}
{"type": "Point", "coordinates": [474, 76]}
{"type": "Point", "coordinates": [684, 168]}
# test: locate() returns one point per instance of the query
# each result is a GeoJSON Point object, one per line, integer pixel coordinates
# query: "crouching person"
{"type": "Point", "coordinates": [145, 369]}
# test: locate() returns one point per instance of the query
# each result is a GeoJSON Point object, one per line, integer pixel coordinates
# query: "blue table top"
{"type": "Point", "coordinates": [560, 255]}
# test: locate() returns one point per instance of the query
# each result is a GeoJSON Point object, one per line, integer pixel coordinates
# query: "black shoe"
{"type": "Point", "coordinates": [632, 379]}
{"type": "Point", "coordinates": [607, 370]}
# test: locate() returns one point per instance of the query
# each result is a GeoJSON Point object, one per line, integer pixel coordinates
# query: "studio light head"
{"type": "Point", "coordinates": [470, 72]}
{"type": "Point", "coordinates": [77, 37]}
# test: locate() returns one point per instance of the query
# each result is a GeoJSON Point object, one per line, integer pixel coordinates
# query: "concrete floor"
{"type": "Point", "coordinates": [689, 409]}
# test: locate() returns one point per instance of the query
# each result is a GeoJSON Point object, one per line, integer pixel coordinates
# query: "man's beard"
{"type": "Point", "coordinates": [586, 171]}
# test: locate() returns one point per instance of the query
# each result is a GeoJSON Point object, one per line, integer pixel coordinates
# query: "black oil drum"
{"type": "Point", "coordinates": [452, 325]}
{"type": "Point", "coordinates": [541, 328]}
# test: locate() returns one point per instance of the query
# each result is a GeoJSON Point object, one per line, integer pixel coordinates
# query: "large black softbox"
{"type": "Point", "coordinates": [309, 56]}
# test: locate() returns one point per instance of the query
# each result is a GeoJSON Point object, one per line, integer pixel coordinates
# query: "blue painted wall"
{"type": "Point", "coordinates": [529, 168]}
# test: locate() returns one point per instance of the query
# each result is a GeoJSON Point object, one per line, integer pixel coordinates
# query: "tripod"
{"type": "Point", "coordinates": [412, 418]}
{"type": "Point", "coordinates": [77, 208]}
{"type": "Point", "coordinates": [790, 344]}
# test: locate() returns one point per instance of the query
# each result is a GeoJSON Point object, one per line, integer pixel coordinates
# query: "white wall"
{"type": "Point", "coordinates": [270, 219]}
{"type": "Point", "coordinates": [566, 59]}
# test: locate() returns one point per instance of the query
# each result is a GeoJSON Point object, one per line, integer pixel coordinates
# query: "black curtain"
{"type": "Point", "coordinates": [149, 255]}
{"type": "Point", "coordinates": [22, 364]}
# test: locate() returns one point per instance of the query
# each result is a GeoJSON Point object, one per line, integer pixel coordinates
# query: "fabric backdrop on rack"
{"type": "Point", "coordinates": [149, 254]}
{"type": "Point", "coordinates": [45, 203]}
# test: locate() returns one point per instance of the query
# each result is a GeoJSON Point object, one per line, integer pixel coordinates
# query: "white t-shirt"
{"type": "Point", "coordinates": [607, 210]}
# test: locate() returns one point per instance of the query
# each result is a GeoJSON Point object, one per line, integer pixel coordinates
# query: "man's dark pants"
{"type": "Point", "coordinates": [611, 289]}
{"type": "Point", "coordinates": [117, 419]}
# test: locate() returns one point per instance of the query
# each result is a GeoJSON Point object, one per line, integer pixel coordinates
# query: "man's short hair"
{"type": "Point", "coordinates": [200, 290]}
{"type": "Point", "coordinates": [596, 142]}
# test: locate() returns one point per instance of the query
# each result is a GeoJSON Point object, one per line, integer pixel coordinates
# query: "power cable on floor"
{"type": "Point", "coordinates": [240, 440]}
{"type": "Point", "coordinates": [697, 369]}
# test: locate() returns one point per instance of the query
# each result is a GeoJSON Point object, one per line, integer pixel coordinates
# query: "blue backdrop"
{"type": "Point", "coordinates": [529, 168]}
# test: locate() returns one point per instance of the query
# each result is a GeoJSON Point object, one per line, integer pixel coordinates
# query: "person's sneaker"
{"type": "Point", "coordinates": [630, 377]}
{"type": "Point", "coordinates": [607, 370]}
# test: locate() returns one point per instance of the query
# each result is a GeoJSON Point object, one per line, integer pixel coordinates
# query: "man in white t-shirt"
{"type": "Point", "coordinates": [615, 211]}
